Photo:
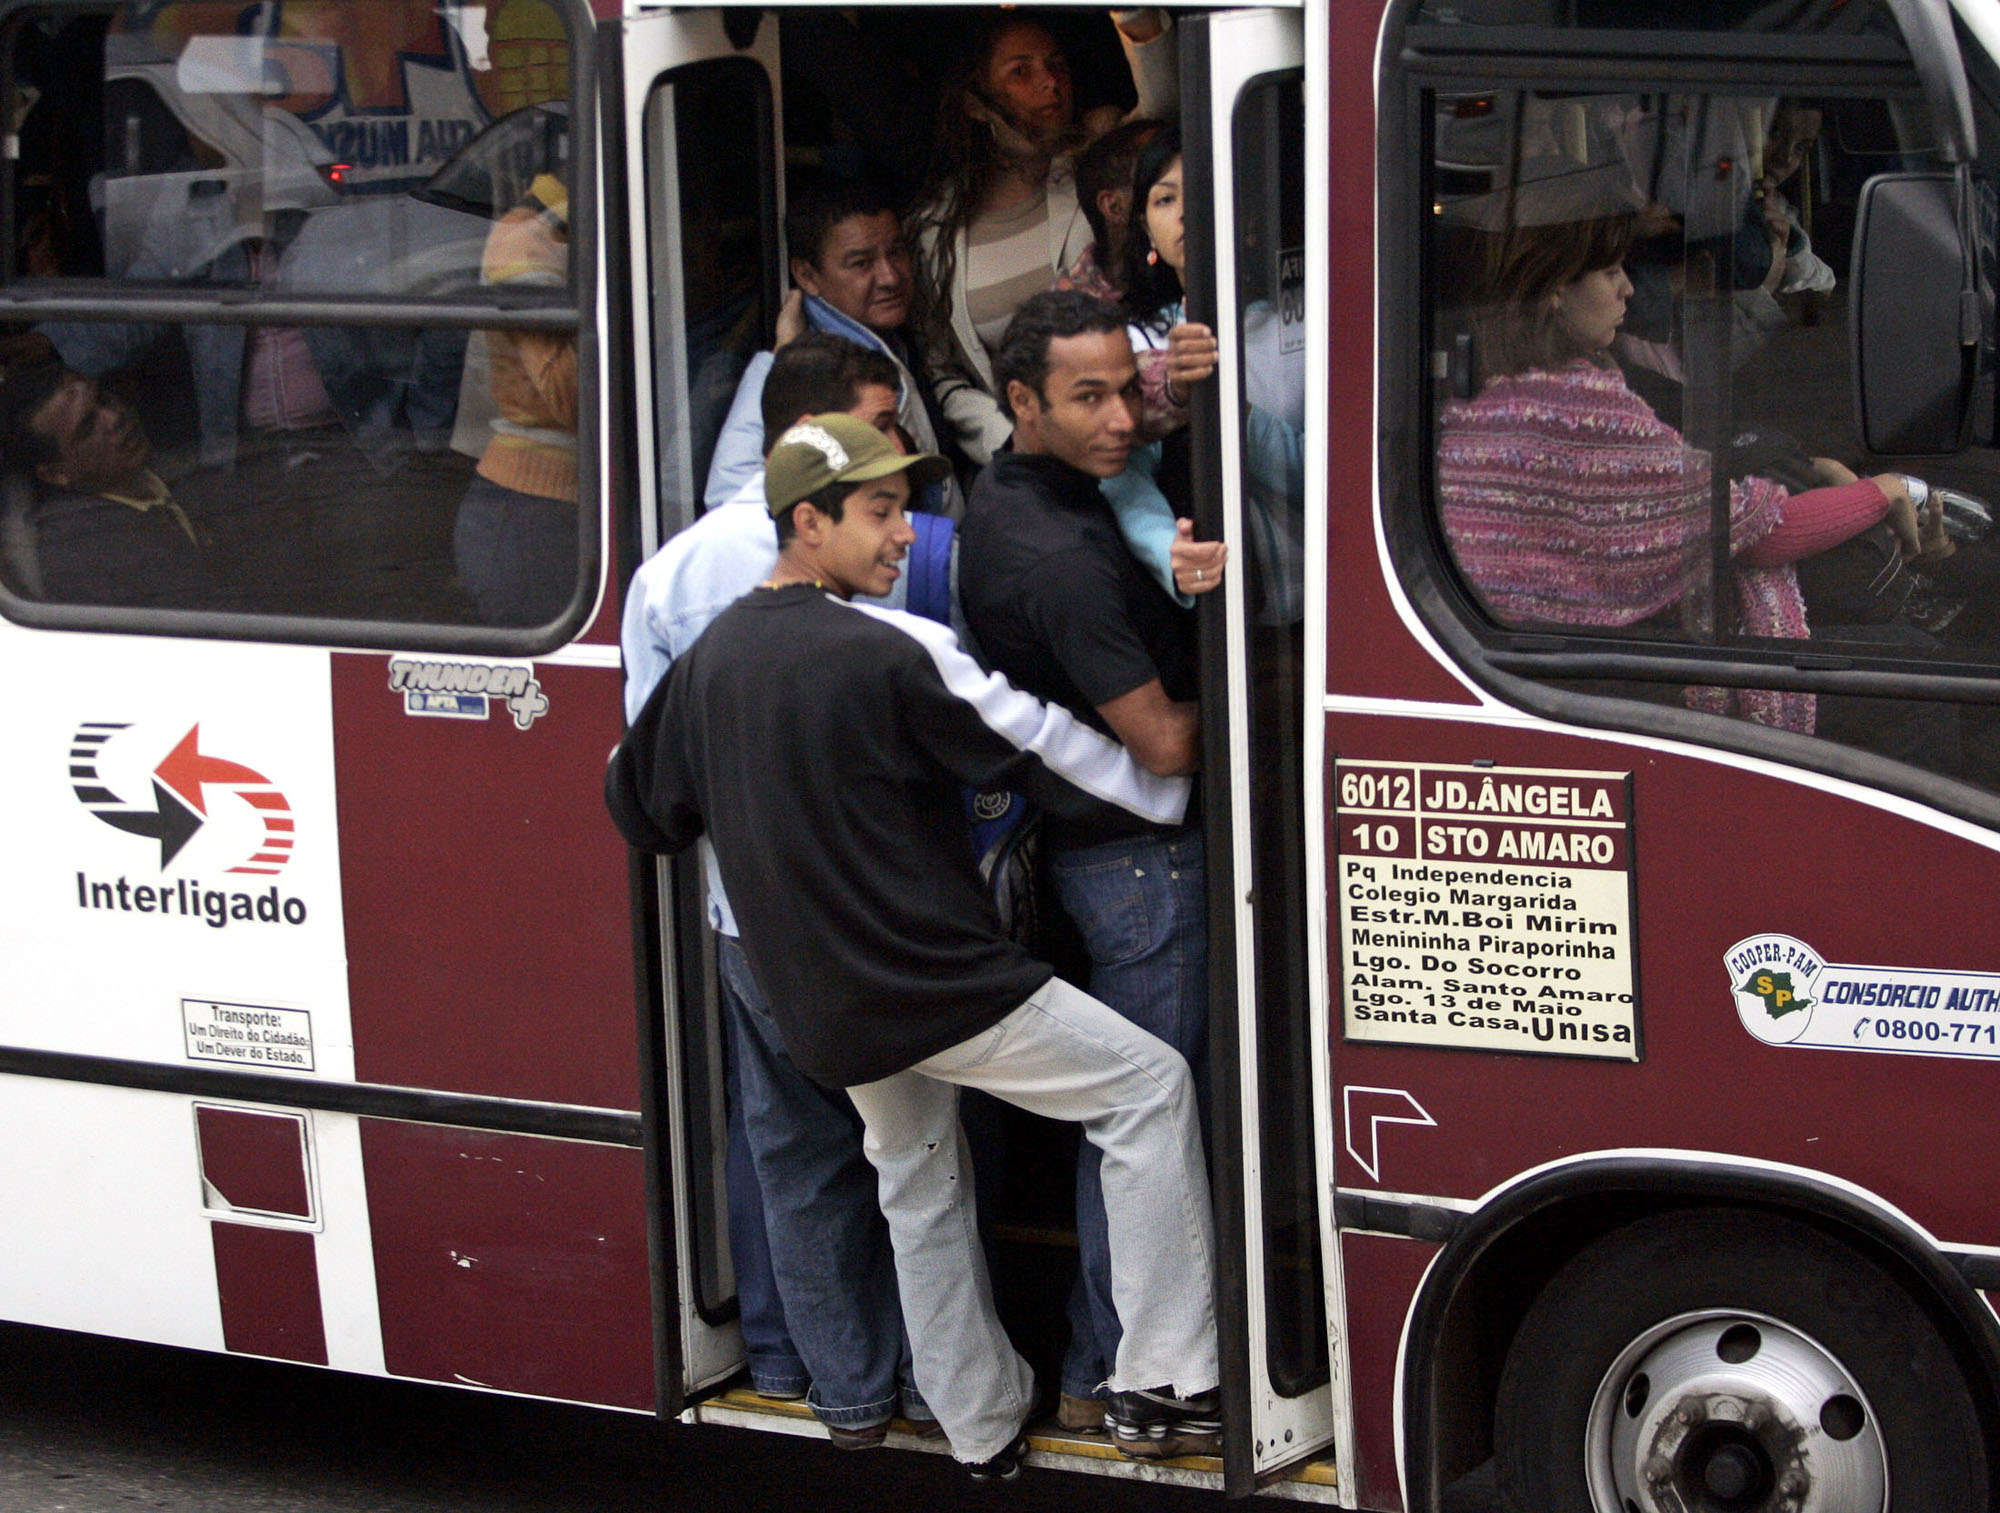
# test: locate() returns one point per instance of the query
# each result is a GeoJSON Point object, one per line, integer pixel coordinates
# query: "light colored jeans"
{"type": "Point", "coordinates": [1063, 1055]}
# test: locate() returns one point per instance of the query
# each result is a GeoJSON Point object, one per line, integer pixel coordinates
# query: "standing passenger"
{"type": "Point", "coordinates": [518, 531]}
{"type": "Point", "coordinates": [822, 746]}
{"type": "Point", "coordinates": [851, 266]}
{"type": "Point", "coordinates": [1060, 606]}
{"type": "Point", "coordinates": [815, 1275]}
{"type": "Point", "coordinates": [1104, 190]}
{"type": "Point", "coordinates": [1003, 221]}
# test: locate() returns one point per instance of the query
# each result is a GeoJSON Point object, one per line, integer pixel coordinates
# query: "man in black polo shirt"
{"type": "Point", "coordinates": [822, 745]}
{"type": "Point", "coordinates": [1058, 603]}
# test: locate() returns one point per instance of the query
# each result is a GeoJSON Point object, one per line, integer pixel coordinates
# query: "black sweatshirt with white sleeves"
{"type": "Point", "coordinates": [822, 746]}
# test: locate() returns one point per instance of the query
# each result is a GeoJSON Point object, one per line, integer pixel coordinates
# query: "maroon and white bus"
{"type": "Point", "coordinates": [1601, 994]}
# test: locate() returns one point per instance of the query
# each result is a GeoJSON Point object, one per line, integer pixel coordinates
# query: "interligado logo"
{"type": "Point", "coordinates": [180, 809]}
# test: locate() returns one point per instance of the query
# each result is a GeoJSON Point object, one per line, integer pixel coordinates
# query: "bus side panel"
{"type": "Point", "coordinates": [511, 1262]}
{"type": "Point", "coordinates": [267, 1281]}
{"type": "Point", "coordinates": [488, 923]}
{"type": "Point", "coordinates": [1720, 854]}
{"type": "Point", "coordinates": [1373, 653]}
{"type": "Point", "coordinates": [102, 1193]}
{"type": "Point", "coordinates": [1381, 1275]}
{"type": "Point", "coordinates": [173, 854]}
{"type": "Point", "coordinates": [141, 1230]}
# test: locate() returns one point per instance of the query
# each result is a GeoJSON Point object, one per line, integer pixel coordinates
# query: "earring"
{"type": "Point", "coordinates": [1152, 257]}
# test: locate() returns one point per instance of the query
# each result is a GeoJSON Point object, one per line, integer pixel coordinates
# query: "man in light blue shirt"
{"type": "Point", "coordinates": [731, 549]}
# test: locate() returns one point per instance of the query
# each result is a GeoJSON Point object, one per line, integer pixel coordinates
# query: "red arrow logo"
{"type": "Point", "coordinates": [185, 771]}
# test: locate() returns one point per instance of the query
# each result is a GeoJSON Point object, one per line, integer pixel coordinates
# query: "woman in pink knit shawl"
{"type": "Point", "coordinates": [1567, 501]}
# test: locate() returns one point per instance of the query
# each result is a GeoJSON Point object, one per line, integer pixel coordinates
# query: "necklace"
{"type": "Point", "coordinates": [777, 582]}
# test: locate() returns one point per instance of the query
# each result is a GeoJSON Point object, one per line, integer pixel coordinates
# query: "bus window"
{"type": "Point", "coordinates": [712, 207]}
{"type": "Point", "coordinates": [1661, 15]}
{"type": "Point", "coordinates": [1644, 461]}
{"type": "Point", "coordinates": [1269, 155]}
{"type": "Point", "coordinates": [382, 428]}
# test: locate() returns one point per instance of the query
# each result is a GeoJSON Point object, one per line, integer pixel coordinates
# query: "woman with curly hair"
{"type": "Point", "coordinates": [1001, 221]}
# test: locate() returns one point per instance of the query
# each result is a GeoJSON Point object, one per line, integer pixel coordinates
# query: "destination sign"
{"type": "Point", "coordinates": [1486, 908]}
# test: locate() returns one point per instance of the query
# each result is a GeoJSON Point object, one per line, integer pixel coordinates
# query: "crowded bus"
{"type": "Point", "coordinates": [1425, 569]}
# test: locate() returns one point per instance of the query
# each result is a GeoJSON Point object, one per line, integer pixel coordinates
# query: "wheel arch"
{"type": "Point", "coordinates": [1501, 1254]}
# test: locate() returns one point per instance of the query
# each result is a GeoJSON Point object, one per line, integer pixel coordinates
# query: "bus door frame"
{"type": "Point", "coordinates": [1223, 54]}
{"type": "Point", "coordinates": [671, 903]}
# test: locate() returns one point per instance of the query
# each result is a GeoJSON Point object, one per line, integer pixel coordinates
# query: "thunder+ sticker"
{"type": "Point", "coordinates": [467, 690]}
{"type": "Point", "coordinates": [1788, 994]}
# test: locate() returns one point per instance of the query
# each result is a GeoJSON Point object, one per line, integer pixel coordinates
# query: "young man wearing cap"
{"type": "Point", "coordinates": [816, 1280]}
{"type": "Point", "coordinates": [822, 746]}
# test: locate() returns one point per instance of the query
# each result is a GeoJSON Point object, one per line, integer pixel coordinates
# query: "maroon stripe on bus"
{"type": "Point", "coordinates": [267, 1281]}
{"type": "Point", "coordinates": [255, 1161]}
{"type": "Point", "coordinates": [511, 1261]}
{"type": "Point", "coordinates": [485, 891]}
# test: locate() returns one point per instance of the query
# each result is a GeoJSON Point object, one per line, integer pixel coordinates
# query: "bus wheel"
{"type": "Point", "coordinates": [1727, 1361]}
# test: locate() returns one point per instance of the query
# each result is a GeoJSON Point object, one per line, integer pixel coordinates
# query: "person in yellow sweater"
{"type": "Point", "coordinates": [518, 532]}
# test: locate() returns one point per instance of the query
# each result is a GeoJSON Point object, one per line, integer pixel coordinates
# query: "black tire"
{"type": "Point", "coordinates": [1632, 1281]}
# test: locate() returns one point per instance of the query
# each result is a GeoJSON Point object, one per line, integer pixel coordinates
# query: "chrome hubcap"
{"type": "Point", "coordinates": [1730, 1412]}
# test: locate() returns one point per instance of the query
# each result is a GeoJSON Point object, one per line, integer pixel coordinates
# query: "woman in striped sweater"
{"type": "Point", "coordinates": [1568, 502]}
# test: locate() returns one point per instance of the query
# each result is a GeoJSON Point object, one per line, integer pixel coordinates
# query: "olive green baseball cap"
{"type": "Point", "coordinates": [837, 448]}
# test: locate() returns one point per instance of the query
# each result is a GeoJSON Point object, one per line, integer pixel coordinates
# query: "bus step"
{"type": "Point", "coordinates": [1048, 1445]}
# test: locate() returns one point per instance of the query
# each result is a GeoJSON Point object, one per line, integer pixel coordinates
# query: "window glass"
{"type": "Point", "coordinates": [715, 260]}
{"type": "Point", "coordinates": [362, 147]}
{"type": "Point", "coordinates": [1791, 17]}
{"type": "Point", "coordinates": [400, 468]}
{"type": "Point", "coordinates": [1644, 420]}
{"type": "Point", "coordinates": [1269, 156]}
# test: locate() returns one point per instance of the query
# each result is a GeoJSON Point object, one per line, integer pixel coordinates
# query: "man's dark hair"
{"type": "Point", "coordinates": [1049, 316]}
{"type": "Point", "coordinates": [818, 373]}
{"type": "Point", "coordinates": [1105, 164]}
{"type": "Point", "coordinates": [830, 501]}
{"type": "Point", "coordinates": [22, 396]}
{"type": "Point", "coordinates": [819, 205]}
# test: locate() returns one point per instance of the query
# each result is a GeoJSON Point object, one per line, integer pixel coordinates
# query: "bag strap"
{"type": "Point", "coordinates": [928, 565]}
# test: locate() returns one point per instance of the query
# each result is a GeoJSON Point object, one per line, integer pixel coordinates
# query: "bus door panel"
{"type": "Point", "coordinates": [702, 141]}
{"type": "Point", "coordinates": [1243, 94]}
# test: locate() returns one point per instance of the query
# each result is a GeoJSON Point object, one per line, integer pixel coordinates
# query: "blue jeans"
{"type": "Point", "coordinates": [1062, 1055]}
{"type": "Point", "coordinates": [827, 1310]}
{"type": "Point", "coordinates": [516, 553]}
{"type": "Point", "coordinates": [775, 1367]}
{"type": "Point", "coordinates": [1142, 908]}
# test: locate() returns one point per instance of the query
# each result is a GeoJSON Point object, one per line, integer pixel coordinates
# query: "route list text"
{"type": "Point", "coordinates": [1486, 908]}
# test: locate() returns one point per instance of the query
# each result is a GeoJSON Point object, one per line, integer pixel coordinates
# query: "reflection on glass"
{"type": "Point", "coordinates": [518, 533]}
{"type": "Point", "coordinates": [383, 150]}
{"type": "Point", "coordinates": [370, 120]}
{"type": "Point", "coordinates": [1644, 417]}
{"type": "Point", "coordinates": [1269, 142]}
{"type": "Point", "coordinates": [1793, 17]}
